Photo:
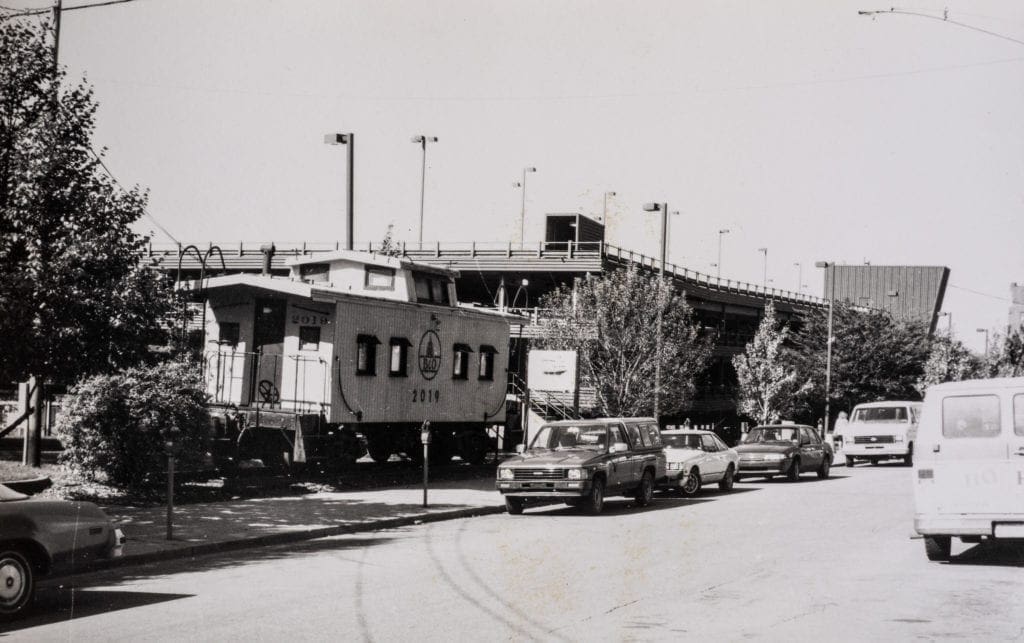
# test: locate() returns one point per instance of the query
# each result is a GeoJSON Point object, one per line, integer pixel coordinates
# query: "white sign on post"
{"type": "Point", "coordinates": [552, 371]}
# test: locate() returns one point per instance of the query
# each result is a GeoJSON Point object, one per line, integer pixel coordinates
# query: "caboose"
{"type": "Point", "coordinates": [351, 342]}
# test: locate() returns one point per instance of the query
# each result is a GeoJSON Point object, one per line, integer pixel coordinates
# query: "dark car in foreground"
{"type": "Point", "coordinates": [47, 537]}
{"type": "Point", "coordinates": [579, 462]}
{"type": "Point", "coordinates": [783, 449]}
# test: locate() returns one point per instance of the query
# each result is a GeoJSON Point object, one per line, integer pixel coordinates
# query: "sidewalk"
{"type": "Point", "coordinates": [238, 524]}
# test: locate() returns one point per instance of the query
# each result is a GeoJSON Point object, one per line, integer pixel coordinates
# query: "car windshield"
{"type": "Point", "coordinates": [583, 436]}
{"type": "Point", "coordinates": [880, 414]}
{"type": "Point", "coordinates": [7, 494]}
{"type": "Point", "coordinates": [691, 441]}
{"type": "Point", "coordinates": [772, 434]}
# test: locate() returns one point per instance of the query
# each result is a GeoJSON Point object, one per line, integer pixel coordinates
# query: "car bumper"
{"type": "Point", "coordinates": [874, 450]}
{"type": "Point", "coordinates": [762, 467]}
{"type": "Point", "coordinates": [544, 489]}
{"type": "Point", "coordinates": [993, 526]}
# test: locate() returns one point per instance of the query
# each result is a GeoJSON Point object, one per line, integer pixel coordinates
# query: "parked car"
{"type": "Point", "coordinates": [783, 449]}
{"type": "Point", "coordinates": [696, 458]}
{"type": "Point", "coordinates": [880, 431]}
{"type": "Point", "coordinates": [969, 470]}
{"type": "Point", "coordinates": [47, 537]}
{"type": "Point", "coordinates": [580, 462]}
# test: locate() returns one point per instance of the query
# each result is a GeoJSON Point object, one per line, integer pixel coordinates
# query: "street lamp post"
{"type": "Point", "coordinates": [522, 215]}
{"type": "Point", "coordinates": [423, 140]}
{"type": "Point", "coordinates": [828, 342]}
{"type": "Point", "coordinates": [985, 330]}
{"type": "Point", "coordinates": [718, 273]}
{"type": "Point", "coordinates": [348, 140]}
{"type": "Point", "coordinates": [799, 275]}
{"type": "Point", "coordinates": [604, 216]}
{"type": "Point", "coordinates": [663, 208]}
{"type": "Point", "coordinates": [764, 278]}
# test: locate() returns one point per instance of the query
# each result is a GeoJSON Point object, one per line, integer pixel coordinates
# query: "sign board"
{"type": "Point", "coordinates": [552, 370]}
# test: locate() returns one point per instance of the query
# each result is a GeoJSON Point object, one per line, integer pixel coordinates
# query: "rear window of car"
{"type": "Point", "coordinates": [970, 416]}
{"type": "Point", "coordinates": [880, 414]}
{"type": "Point", "coordinates": [653, 434]}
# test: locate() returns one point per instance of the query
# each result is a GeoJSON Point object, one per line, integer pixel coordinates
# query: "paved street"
{"type": "Point", "coordinates": [828, 560]}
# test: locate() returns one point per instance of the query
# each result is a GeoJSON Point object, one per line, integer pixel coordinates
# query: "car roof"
{"type": "Point", "coordinates": [885, 404]}
{"type": "Point", "coordinates": [686, 432]}
{"type": "Point", "coordinates": [974, 385]}
{"type": "Point", "coordinates": [782, 426]}
{"type": "Point", "coordinates": [597, 421]}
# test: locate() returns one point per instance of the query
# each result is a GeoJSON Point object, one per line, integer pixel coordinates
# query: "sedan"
{"type": "Point", "coordinates": [47, 537]}
{"type": "Point", "coordinates": [784, 449]}
{"type": "Point", "coordinates": [696, 458]}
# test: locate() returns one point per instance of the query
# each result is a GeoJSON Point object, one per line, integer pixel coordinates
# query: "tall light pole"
{"type": "Point", "coordinates": [718, 273]}
{"type": "Point", "coordinates": [522, 215]}
{"type": "Point", "coordinates": [422, 139]}
{"type": "Point", "coordinates": [764, 278]}
{"type": "Point", "coordinates": [828, 342]}
{"type": "Point", "coordinates": [985, 330]}
{"type": "Point", "coordinates": [604, 217]}
{"type": "Point", "coordinates": [348, 140]}
{"type": "Point", "coordinates": [799, 275]}
{"type": "Point", "coordinates": [663, 208]}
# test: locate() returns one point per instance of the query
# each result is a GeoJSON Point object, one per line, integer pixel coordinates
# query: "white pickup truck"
{"type": "Point", "coordinates": [880, 431]}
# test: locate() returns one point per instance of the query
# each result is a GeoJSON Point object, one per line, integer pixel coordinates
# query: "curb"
{"type": "Point", "coordinates": [269, 540]}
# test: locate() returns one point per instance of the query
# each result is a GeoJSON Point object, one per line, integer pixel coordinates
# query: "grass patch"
{"type": "Point", "coordinates": [14, 471]}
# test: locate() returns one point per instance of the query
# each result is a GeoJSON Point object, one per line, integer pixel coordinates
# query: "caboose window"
{"type": "Point", "coordinates": [366, 355]}
{"type": "Point", "coordinates": [487, 362]}
{"type": "Point", "coordinates": [398, 366]}
{"type": "Point", "coordinates": [228, 334]}
{"type": "Point", "coordinates": [460, 370]}
{"type": "Point", "coordinates": [309, 338]}
{"type": "Point", "coordinates": [431, 289]}
{"type": "Point", "coordinates": [378, 278]}
{"type": "Point", "coordinates": [314, 271]}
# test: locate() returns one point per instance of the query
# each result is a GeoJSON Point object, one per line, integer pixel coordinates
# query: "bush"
{"type": "Point", "coordinates": [118, 424]}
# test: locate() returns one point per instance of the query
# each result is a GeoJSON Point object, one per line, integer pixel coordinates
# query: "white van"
{"type": "Point", "coordinates": [881, 431]}
{"type": "Point", "coordinates": [969, 474]}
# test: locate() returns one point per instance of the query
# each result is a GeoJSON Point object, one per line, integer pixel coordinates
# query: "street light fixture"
{"type": "Point", "coordinates": [718, 273]}
{"type": "Point", "coordinates": [663, 208]}
{"type": "Point", "coordinates": [604, 216]}
{"type": "Point", "coordinates": [985, 330]}
{"type": "Point", "coordinates": [348, 140]}
{"type": "Point", "coordinates": [422, 140]}
{"type": "Point", "coordinates": [764, 278]}
{"type": "Point", "coordinates": [522, 215]}
{"type": "Point", "coordinates": [828, 342]}
{"type": "Point", "coordinates": [799, 275]}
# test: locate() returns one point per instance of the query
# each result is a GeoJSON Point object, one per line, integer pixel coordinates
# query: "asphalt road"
{"type": "Point", "coordinates": [818, 559]}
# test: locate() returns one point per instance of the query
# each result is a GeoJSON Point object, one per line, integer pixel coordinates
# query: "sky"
{"type": "Point", "coordinates": [799, 126]}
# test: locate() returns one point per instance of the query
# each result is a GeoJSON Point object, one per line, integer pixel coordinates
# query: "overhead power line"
{"type": "Point", "coordinates": [113, 178]}
{"type": "Point", "coordinates": [943, 18]}
{"type": "Point", "coordinates": [978, 292]}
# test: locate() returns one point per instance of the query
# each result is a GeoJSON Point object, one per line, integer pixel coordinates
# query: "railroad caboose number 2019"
{"type": "Point", "coordinates": [426, 395]}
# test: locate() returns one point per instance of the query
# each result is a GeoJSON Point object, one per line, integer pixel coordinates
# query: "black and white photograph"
{"type": "Point", "coordinates": [511, 320]}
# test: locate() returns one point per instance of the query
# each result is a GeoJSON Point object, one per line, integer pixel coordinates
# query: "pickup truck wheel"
{"type": "Point", "coordinates": [692, 485]}
{"type": "Point", "coordinates": [17, 582]}
{"type": "Point", "coordinates": [594, 502]}
{"type": "Point", "coordinates": [725, 484]}
{"type": "Point", "coordinates": [794, 470]}
{"type": "Point", "coordinates": [645, 492]}
{"type": "Point", "coordinates": [513, 505]}
{"type": "Point", "coordinates": [937, 547]}
{"type": "Point", "coordinates": [908, 460]}
{"type": "Point", "coordinates": [823, 470]}
{"type": "Point", "coordinates": [849, 461]}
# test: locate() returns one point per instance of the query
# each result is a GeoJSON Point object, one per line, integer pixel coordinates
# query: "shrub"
{"type": "Point", "coordinates": [118, 424]}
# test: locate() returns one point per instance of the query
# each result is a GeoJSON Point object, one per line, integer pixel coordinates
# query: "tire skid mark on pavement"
{"type": "Point", "coordinates": [467, 596]}
{"type": "Point", "coordinates": [523, 616]}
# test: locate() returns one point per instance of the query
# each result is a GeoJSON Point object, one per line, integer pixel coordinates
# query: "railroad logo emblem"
{"type": "Point", "coordinates": [430, 355]}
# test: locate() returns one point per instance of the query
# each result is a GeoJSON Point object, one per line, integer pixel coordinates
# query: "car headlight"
{"type": "Point", "coordinates": [505, 473]}
{"type": "Point", "coordinates": [575, 474]}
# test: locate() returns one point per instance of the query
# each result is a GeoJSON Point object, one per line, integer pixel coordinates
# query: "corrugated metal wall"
{"type": "Point", "coordinates": [907, 292]}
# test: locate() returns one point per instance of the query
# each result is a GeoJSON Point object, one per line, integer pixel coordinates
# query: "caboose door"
{"type": "Point", "coordinates": [268, 348]}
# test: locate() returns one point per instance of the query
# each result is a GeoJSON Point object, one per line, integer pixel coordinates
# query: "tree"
{"type": "Point", "coordinates": [949, 361]}
{"type": "Point", "coordinates": [1007, 358]}
{"type": "Point", "coordinates": [874, 357]}
{"type": "Point", "coordinates": [74, 295]}
{"type": "Point", "coordinates": [612, 323]}
{"type": "Point", "coordinates": [388, 246]}
{"type": "Point", "coordinates": [767, 383]}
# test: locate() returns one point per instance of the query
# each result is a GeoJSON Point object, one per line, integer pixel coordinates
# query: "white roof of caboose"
{"type": "Point", "coordinates": [369, 259]}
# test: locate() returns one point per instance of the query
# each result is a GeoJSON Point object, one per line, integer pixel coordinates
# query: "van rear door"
{"type": "Point", "coordinates": [974, 471]}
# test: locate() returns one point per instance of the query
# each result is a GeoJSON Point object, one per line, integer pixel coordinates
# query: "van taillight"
{"type": "Point", "coordinates": [923, 474]}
